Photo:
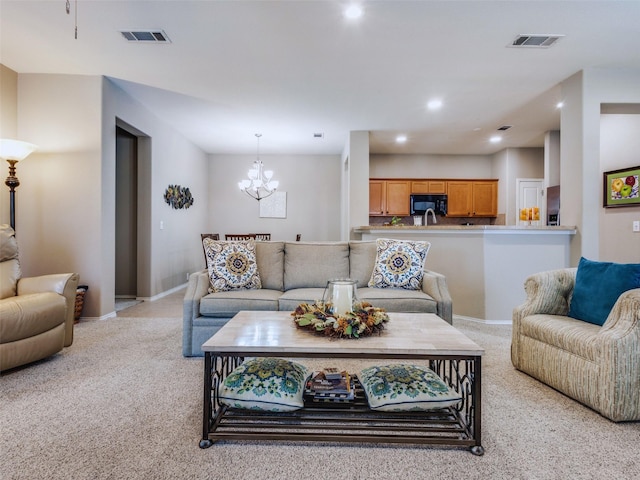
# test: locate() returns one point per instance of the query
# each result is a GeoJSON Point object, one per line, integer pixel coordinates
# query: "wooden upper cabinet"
{"type": "Point", "coordinates": [459, 198]}
{"type": "Point", "coordinates": [466, 198]}
{"type": "Point", "coordinates": [389, 197]}
{"type": "Point", "coordinates": [398, 192]}
{"type": "Point", "coordinates": [472, 198]}
{"type": "Point", "coordinates": [376, 197]}
{"type": "Point", "coordinates": [429, 186]}
{"type": "Point", "coordinates": [485, 199]}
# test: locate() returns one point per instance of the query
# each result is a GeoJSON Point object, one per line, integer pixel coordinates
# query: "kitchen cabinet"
{"type": "Point", "coordinates": [472, 198]}
{"type": "Point", "coordinates": [429, 186]}
{"type": "Point", "coordinates": [389, 197]}
{"type": "Point", "coordinates": [377, 197]}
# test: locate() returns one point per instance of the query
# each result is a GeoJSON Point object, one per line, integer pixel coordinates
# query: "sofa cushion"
{"type": "Point", "coordinates": [227, 304]}
{"type": "Point", "coordinates": [399, 264]}
{"type": "Point", "coordinates": [290, 299]}
{"type": "Point", "coordinates": [231, 265]}
{"type": "Point", "coordinates": [269, 384]}
{"type": "Point", "coordinates": [573, 336]}
{"type": "Point", "coordinates": [401, 387]}
{"type": "Point", "coordinates": [362, 258]}
{"type": "Point", "coordinates": [399, 300]}
{"type": "Point", "coordinates": [26, 316]}
{"type": "Point", "coordinates": [598, 286]}
{"type": "Point", "coordinates": [313, 264]}
{"type": "Point", "coordinates": [270, 259]}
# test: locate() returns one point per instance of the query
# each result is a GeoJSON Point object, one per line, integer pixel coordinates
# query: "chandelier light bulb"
{"type": "Point", "coordinates": [259, 185]}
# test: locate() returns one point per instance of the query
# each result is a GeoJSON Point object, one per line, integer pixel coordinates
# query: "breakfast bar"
{"type": "Point", "coordinates": [485, 265]}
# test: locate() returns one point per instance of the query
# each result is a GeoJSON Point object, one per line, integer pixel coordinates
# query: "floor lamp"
{"type": "Point", "coordinates": [13, 151]}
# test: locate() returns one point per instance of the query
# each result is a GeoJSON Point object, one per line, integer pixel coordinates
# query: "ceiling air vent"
{"type": "Point", "coordinates": [153, 36]}
{"type": "Point", "coordinates": [504, 127]}
{"type": "Point", "coordinates": [532, 40]}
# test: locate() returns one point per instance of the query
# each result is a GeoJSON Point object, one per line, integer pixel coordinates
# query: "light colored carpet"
{"type": "Point", "coordinates": [122, 403]}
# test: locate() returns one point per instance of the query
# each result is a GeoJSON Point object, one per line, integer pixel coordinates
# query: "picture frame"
{"type": "Point", "coordinates": [274, 206]}
{"type": "Point", "coordinates": [621, 187]}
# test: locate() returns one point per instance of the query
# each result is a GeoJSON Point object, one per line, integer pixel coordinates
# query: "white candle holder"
{"type": "Point", "coordinates": [341, 294]}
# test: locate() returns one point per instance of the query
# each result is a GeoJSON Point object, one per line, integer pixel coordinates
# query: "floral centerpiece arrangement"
{"type": "Point", "coordinates": [363, 320]}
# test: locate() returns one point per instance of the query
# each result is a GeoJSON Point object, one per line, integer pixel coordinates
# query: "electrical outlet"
{"type": "Point", "coordinates": [187, 276]}
{"type": "Point", "coordinates": [636, 225]}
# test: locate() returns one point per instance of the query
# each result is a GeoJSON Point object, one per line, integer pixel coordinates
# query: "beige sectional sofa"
{"type": "Point", "coordinates": [36, 313]}
{"type": "Point", "coordinates": [598, 366]}
{"type": "Point", "coordinates": [297, 272]}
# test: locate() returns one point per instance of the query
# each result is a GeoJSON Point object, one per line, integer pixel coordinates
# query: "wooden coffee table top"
{"type": "Point", "coordinates": [406, 334]}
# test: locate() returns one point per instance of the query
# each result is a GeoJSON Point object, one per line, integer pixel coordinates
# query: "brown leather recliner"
{"type": "Point", "coordinates": [36, 313]}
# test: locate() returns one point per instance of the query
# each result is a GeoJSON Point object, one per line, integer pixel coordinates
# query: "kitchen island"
{"type": "Point", "coordinates": [485, 265]}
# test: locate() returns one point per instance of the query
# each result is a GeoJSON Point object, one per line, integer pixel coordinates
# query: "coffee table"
{"type": "Point", "coordinates": [406, 337]}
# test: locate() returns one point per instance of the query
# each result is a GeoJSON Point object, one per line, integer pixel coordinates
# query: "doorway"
{"type": "Point", "coordinates": [529, 194]}
{"type": "Point", "coordinates": [126, 224]}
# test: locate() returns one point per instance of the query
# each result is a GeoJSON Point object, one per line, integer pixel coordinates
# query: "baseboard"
{"type": "Point", "coordinates": [480, 320]}
{"type": "Point", "coordinates": [163, 294]}
{"type": "Point", "coordinates": [103, 317]}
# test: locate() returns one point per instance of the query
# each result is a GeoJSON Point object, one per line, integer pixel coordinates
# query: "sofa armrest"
{"type": "Point", "coordinates": [548, 293]}
{"type": "Point", "coordinates": [435, 285]}
{"type": "Point", "coordinates": [197, 288]}
{"type": "Point", "coordinates": [619, 339]}
{"type": "Point", "coordinates": [64, 284]}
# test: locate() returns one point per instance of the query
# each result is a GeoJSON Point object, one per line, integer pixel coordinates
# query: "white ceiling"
{"type": "Point", "coordinates": [289, 69]}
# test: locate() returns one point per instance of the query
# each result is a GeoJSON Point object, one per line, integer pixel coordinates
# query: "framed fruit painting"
{"type": "Point", "coordinates": [622, 187]}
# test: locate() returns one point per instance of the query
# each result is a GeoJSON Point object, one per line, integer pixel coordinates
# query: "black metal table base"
{"type": "Point", "coordinates": [351, 421]}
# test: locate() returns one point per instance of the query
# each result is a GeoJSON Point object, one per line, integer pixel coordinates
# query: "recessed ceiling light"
{"type": "Point", "coordinates": [353, 11]}
{"type": "Point", "coordinates": [435, 104]}
{"type": "Point", "coordinates": [559, 104]}
{"type": "Point", "coordinates": [401, 139]}
{"type": "Point", "coordinates": [495, 139]}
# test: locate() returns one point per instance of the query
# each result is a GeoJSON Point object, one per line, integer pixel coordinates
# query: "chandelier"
{"type": "Point", "coordinates": [259, 185]}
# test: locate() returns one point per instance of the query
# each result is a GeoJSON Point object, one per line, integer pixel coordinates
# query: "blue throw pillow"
{"type": "Point", "coordinates": [598, 286]}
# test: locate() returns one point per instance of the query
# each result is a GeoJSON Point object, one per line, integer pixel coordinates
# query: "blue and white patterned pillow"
{"type": "Point", "coordinates": [402, 387]}
{"type": "Point", "coordinates": [268, 384]}
{"type": "Point", "coordinates": [231, 265]}
{"type": "Point", "coordinates": [399, 264]}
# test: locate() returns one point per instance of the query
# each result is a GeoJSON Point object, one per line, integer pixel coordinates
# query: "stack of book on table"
{"type": "Point", "coordinates": [330, 385]}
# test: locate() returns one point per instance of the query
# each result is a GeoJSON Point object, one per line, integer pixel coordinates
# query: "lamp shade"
{"type": "Point", "coordinates": [15, 149]}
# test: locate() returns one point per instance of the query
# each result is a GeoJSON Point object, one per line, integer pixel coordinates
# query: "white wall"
{"type": "Point", "coordinates": [312, 184]}
{"type": "Point", "coordinates": [359, 174]}
{"type": "Point", "coordinates": [58, 212]}
{"type": "Point", "coordinates": [552, 158]}
{"type": "Point", "coordinates": [8, 127]}
{"type": "Point", "coordinates": [66, 203]}
{"type": "Point", "coordinates": [581, 170]}
{"type": "Point", "coordinates": [174, 250]}
{"type": "Point", "coordinates": [430, 166]}
{"type": "Point", "coordinates": [619, 147]}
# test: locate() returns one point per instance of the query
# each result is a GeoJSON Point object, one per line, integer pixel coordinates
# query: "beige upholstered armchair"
{"type": "Point", "coordinates": [598, 366]}
{"type": "Point", "coordinates": [36, 313]}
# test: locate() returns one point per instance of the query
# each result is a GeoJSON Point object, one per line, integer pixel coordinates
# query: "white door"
{"type": "Point", "coordinates": [530, 195]}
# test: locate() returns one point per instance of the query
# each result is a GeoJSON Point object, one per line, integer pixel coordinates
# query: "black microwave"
{"type": "Point", "coordinates": [420, 203]}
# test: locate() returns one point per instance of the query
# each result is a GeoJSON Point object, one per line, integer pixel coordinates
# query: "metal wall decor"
{"type": "Point", "coordinates": [178, 197]}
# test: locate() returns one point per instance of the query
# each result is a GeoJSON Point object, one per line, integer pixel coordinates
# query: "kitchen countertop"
{"type": "Point", "coordinates": [484, 229]}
